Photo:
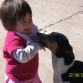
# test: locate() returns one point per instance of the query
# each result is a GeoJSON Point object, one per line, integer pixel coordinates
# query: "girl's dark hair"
{"type": "Point", "coordinates": [13, 10]}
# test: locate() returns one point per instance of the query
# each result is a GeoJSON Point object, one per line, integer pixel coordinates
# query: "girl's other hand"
{"type": "Point", "coordinates": [42, 48]}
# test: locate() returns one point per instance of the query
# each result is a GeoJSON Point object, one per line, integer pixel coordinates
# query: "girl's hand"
{"type": "Point", "coordinates": [42, 48]}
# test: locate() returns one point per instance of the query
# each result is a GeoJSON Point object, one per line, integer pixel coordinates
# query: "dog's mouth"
{"type": "Point", "coordinates": [43, 43]}
{"type": "Point", "coordinates": [40, 38]}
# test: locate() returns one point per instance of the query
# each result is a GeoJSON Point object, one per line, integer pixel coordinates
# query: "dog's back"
{"type": "Point", "coordinates": [75, 73]}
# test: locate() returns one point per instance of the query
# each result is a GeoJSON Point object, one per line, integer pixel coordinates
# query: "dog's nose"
{"type": "Point", "coordinates": [41, 36]}
{"type": "Point", "coordinates": [38, 36]}
{"type": "Point", "coordinates": [38, 33]}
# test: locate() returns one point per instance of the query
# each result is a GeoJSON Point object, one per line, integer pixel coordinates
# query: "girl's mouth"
{"type": "Point", "coordinates": [26, 29]}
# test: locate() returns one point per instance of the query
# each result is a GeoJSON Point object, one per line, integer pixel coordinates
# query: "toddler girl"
{"type": "Point", "coordinates": [20, 49]}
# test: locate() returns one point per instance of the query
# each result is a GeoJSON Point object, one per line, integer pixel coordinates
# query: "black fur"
{"type": "Point", "coordinates": [75, 73]}
{"type": "Point", "coordinates": [64, 50]}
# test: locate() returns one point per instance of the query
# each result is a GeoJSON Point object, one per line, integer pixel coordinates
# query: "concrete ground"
{"type": "Point", "coordinates": [65, 16]}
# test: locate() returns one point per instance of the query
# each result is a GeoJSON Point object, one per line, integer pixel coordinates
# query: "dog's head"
{"type": "Point", "coordinates": [58, 44]}
{"type": "Point", "coordinates": [47, 41]}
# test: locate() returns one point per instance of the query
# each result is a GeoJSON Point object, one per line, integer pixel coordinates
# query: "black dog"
{"type": "Point", "coordinates": [66, 68]}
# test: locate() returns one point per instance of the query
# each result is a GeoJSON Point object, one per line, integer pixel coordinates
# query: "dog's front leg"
{"type": "Point", "coordinates": [56, 76]}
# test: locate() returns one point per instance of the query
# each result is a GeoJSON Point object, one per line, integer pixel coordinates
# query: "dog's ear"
{"type": "Point", "coordinates": [64, 48]}
{"type": "Point", "coordinates": [68, 55]}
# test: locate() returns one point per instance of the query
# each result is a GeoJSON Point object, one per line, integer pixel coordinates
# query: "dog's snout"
{"type": "Point", "coordinates": [38, 33]}
{"type": "Point", "coordinates": [41, 35]}
{"type": "Point", "coordinates": [41, 38]}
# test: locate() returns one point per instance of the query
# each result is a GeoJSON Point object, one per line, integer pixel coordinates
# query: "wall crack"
{"type": "Point", "coordinates": [66, 18]}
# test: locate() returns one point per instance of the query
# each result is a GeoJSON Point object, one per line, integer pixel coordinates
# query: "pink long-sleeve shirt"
{"type": "Point", "coordinates": [15, 69]}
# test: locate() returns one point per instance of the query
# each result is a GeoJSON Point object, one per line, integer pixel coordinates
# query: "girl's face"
{"type": "Point", "coordinates": [24, 25]}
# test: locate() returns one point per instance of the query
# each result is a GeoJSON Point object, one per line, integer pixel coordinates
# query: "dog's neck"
{"type": "Point", "coordinates": [62, 68]}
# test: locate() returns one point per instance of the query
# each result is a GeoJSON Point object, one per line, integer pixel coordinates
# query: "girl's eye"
{"type": "Point", "coordinates": [26, 21]}
{"type": "Point", "coordinates": [23, 22]}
